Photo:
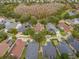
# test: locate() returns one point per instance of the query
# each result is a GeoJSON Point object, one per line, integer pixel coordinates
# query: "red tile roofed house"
{"type": "Point", "coordinates": [4, 46]}
{"type": "Point", "coordinates": [64, 26]}
{"type": "Point", "coordinates": [38, 27]}
{"type": "Point", "coordinates": [17, 49]}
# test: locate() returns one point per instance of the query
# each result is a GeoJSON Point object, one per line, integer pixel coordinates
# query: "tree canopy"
{"type": "Point", "coordinates": [24, 18]}
{"type": "Point", "coordinates": [29, 32]}
{"type": "Point", "coordinates": [3, 36]}
{"type": "Point", "coordinates": [39, 38]}
{"type": "Point", "coordinates": [2, 26]}
{"type": "Point", "coordinates": [64, 56]}
{"type": "Point", "coordinates": [75, 32]}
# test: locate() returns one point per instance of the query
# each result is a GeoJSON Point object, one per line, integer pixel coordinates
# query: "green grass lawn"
{"type": "Point", "coordinates": [44, 41]}
{"type": "Point", "coordinates": [40, 56]}
{"type": "Point", "coordinates": [62, 32]}
{"type": "Point", "coordinates": [23, 54]}
{"type": "Point", "coordinates": [55, 42]}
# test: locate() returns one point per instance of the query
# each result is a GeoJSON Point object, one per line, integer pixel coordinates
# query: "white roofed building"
{"type": "Point", "coordinates": [9, 25]}
{"type": "Point", "coordinates": [20, 27]}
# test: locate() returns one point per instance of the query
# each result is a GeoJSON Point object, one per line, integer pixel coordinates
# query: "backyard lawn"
{"type": "Point", "coordinates": [54, 42]}
{"type": "Point", "coordinates": [23, 54]}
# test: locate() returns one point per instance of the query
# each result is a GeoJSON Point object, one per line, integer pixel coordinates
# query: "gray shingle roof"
{"type": "Point", "coordinates": [49, 51]}
{"type": "Point", "coordinates": [75, 44]}
{"type": "Point", "coordinates": [9, 25]}
{"type": "Point", "coordinates": [32, 51]}
{"type": "Point", "coordinates": [64, 48]}
{"type": "Point", "coordinates": [50, 27]}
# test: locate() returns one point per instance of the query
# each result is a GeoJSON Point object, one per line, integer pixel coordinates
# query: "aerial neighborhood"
{"type": "Point", "coordinates": [39, 29]}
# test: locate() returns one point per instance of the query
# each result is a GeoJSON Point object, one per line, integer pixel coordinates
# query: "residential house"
{"type": "Point", "coordinates": [10, 25]}
{"type": "Point", "coordinates": [72, 0]}
{"type": "Point", "coordinates": [65, 49]}
{"type": "Point", "coordinates": [73, 21]}
{"type": "Point", "coordinates": [62, 25]}
{"type": "Point", "coordinates": [49, 51]}
{"type": "Point", "coordinates": [51, 28]}
{"type": "Point", "coordinates": [32, 50]}
{"type": "Point", "coordinates": [4, 47]}
{"type": "Point", "coordinates": [17, 25]}
{"type": "Point", "coordinates": [71, 13]}
{"type": "Point", "coordinates": [17, 49]}
{"type": "Point", "coordinates": [74, 43]}
{"type": "Point", "coordinates": [20, 27]}
{"type": "Point", "coordinates": [38, 27]}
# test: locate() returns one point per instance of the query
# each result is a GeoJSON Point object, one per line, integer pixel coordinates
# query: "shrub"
{"type": "Point", "coordinates": [13, 31]}
{"type": "Point", "coordinates": [3, 36]}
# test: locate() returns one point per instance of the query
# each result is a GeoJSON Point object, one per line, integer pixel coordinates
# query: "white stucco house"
{"type": "Point", "coordinates": [20, 27]}
{"type": "Point", "coordinates": [10, 25]}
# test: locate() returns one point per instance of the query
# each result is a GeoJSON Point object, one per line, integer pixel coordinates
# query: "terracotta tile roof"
{"type": "Point", "coordinates": [66, 27]}
{"type": "Point", "coordinates": [3, 48]}
{"type": "Point", "coordinates": [17, 49]}
{"type": "Point", "coordinates": [39, 27]}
